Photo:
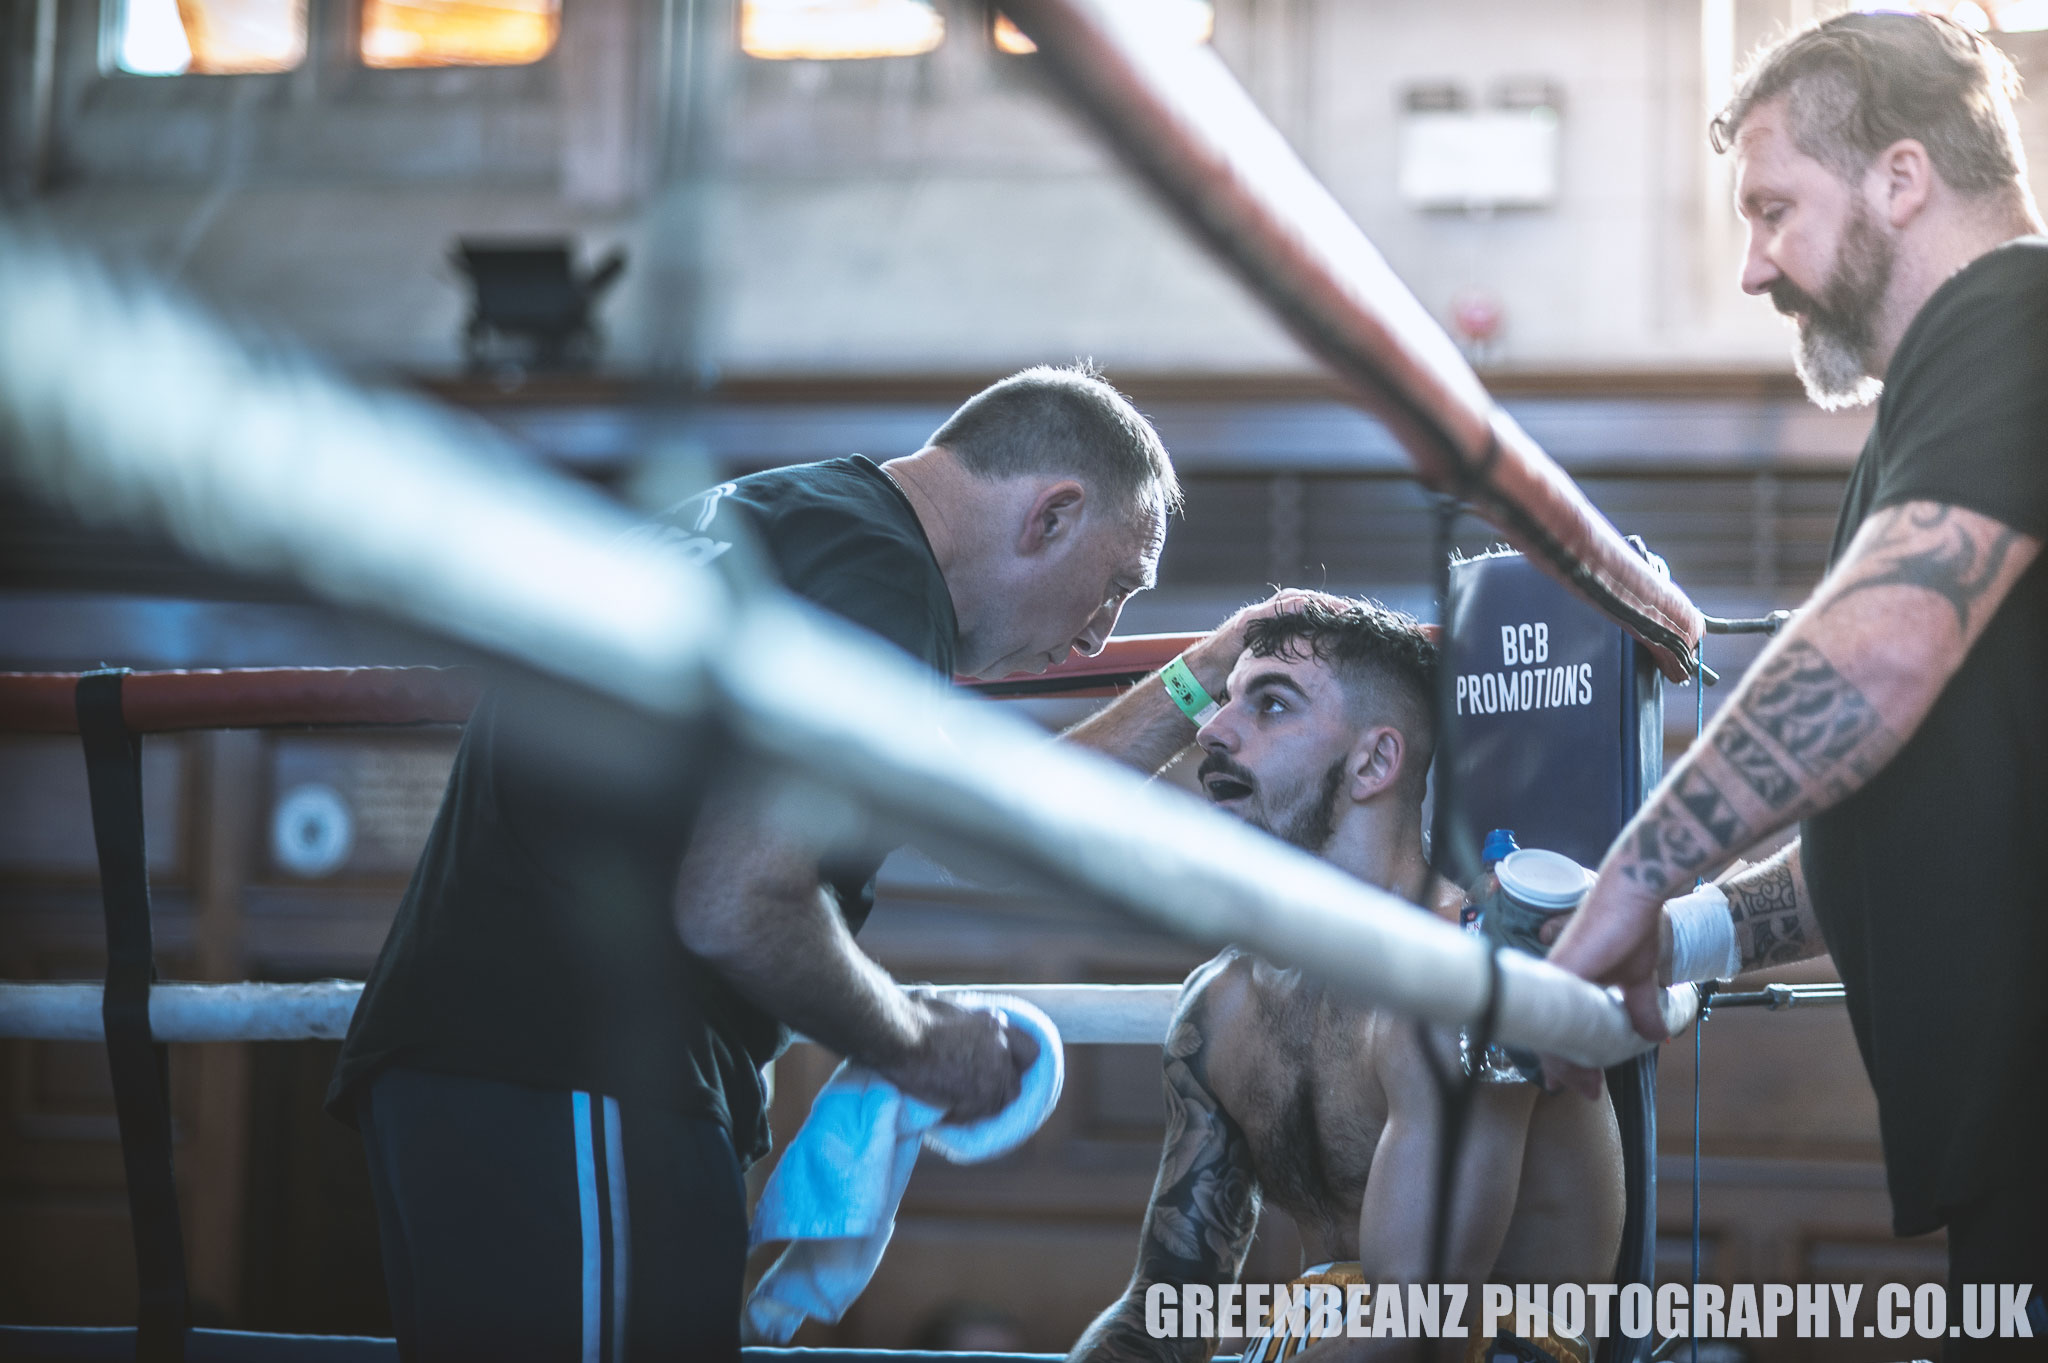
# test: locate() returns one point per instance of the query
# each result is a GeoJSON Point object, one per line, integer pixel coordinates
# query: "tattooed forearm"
{"type": "Point", "coordinates": [1774, 922]}
{"type": "Point", "coordinates": [1797, 736]}
{"type": "Point", "coordinates": [1811, 712]}
{"type": "Point", "coordinates": [1753, 763]}
{"type": "Point", "coordinates": [1204, 1205]}
{"type": "Point", "coordinates": [1927, 545]}
{"type": "Point", "coordinates": [1674, 839]}
{"type": "Point", "coordinates": [1826, 707]}
{"type": "Point", "coordinates": [1717, 818]}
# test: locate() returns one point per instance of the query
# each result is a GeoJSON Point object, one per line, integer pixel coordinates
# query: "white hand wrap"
{"type": "Point", "coordinates": [1703, 937]}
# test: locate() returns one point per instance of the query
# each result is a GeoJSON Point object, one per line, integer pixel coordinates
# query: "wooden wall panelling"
{"type": "Point", "coordinates": [301, 925]}
{"type": "Point", "coordinates": [311, 1259]}
{"type": "Point", "coordinates": [228, 798]}
{"type": "Point", "coordinates": [66, 1252]}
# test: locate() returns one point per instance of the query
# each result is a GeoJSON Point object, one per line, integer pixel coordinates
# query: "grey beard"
{"type": "Point", "coordinates": [1833, 369]}
{"type": "Point", "coordinates": [1838, 330]}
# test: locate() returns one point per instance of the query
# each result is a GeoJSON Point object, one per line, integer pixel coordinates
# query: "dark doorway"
{"type": "Point", "coordinates": [310, 1263]}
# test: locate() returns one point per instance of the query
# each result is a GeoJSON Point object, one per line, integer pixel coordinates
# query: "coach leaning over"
{"type": "Point", "coordinates": [557, 1062]}
{"type": "Point", "coordinates": [1903, 713]}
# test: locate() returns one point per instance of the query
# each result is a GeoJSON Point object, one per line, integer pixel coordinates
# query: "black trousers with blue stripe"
{"type": "Point", "coordinates": [520, 1223]}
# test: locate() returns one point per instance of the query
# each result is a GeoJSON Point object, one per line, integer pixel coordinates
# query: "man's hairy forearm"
{"type": "Point", "coordinates": [1141, 728]}
{"type": "Point", "coordinates": [1832, 701]}
{"type": "Point", "coordinates": [753, 908]}
{"type": "Point", "coordinates": [1774, 919]}
{"type": "Point", "coordinates": [803, 967]}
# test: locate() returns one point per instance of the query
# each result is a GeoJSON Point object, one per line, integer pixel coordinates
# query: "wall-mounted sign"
{"type": "Point", "coordinates": [312, 831]}
{"type": "Point", "coordinates": [1455, 155]}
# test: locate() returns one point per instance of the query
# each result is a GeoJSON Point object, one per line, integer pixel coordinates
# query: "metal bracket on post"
{"type": "Point", "coordinates": [140, 1065]}
{"type": "Point", "coordinates": [1762, 624]}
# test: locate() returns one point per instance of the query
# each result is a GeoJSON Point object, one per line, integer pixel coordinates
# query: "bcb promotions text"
{"type": "Point", "coordinates": [1528, 683]}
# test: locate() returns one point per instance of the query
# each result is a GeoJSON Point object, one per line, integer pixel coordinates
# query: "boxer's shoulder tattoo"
{"type": "Point", "coordinates": [1926, 545]}
{"type": "Point", "coordinates": [1769, 927]}
{"type": "Point", "coordinates": [1205, 1202]}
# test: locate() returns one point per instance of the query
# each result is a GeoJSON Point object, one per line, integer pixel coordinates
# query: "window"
{"type": "Point", "coordinates": [413, 33]}
{"type": "Point", "coordinates": [209, 37]}
{"type": "Point", "coordinates": [1193, 19]}
{"type": "Point", "coordinates": [833, 30]}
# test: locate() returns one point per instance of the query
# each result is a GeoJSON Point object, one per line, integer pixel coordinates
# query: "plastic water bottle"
{"type": "Point", "coordinates": [1498, 844]}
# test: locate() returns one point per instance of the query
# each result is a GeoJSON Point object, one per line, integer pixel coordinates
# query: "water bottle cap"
{"type": "Point", "coordinates": [1544, 880]}
{"type": "Point", "coordinates": [1499, 843]}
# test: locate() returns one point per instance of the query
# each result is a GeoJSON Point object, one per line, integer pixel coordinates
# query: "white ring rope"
{"type": "Point", "coordinates": [127, 407]}
{"type": "Point", "coordinates": [1086, 1014]}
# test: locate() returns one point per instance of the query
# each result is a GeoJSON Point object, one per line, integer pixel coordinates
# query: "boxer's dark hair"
{"type": "Point", "coordinates": [1382, 657]}
{"type": "Point", "coordinates": [1857, 83]}
{"type": "Point", "coordinates": [1051, 419]}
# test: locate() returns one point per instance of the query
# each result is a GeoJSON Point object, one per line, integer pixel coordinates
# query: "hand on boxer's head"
{"type": "Point", "coordinates": [1214, 656]}
{"type": "Point", "coordinates": [1283, 600]}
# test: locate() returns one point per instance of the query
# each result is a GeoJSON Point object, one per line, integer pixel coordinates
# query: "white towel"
{"type": "Point", "coordinates": [835, 1192]}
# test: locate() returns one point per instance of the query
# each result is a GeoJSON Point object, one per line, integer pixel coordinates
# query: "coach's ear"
{"type": "Point", "coordinates": [1052, 517]}
{"type": "Point", "coordinates": [1376, 761]}
{"type": "Point", "coordinates": [1900, 182]}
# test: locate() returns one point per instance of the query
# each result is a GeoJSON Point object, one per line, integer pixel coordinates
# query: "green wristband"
{"type": "Point", "coordinates": [1187, 693]}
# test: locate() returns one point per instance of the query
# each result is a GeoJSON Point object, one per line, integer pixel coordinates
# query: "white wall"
{"type": "Point", "coordinates": [928, 215]}
{"type": "Point", "coordinates": [958, 219]}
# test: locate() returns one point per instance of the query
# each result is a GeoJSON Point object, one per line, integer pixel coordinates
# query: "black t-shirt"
{"type": "Point", "coordinates": [1931, 882]}
{"type": "Point", "coordinates": [537, 941]}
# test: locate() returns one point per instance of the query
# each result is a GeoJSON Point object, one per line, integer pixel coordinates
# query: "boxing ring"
{"type": "Point", "coordinates": [127, 407]}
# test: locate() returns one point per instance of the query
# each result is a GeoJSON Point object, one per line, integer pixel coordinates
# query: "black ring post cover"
{"type": "Point", "coordinates": [1633, 1087]}
{"type": "Point", "coordinates": [1559, 736]}
{"type": "Point", "coordinates": [141, 1067]}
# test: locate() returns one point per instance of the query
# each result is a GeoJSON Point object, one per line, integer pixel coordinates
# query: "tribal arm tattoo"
{"type": "Point", "coordinates": [1797, 736]}
{"type": "Point", "coordinates": [1831, 700]}
{"type": "Point", "coordinates": [1774, 920]}
{"type": "Point", "coordinates": [1957, 555]}
{"type": "Point", "coordinates": [1204, 1208]}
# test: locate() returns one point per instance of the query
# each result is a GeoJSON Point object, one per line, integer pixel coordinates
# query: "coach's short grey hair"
{"type": "Point", "coordinates": [1064, 420]}
{"type": "Point", "coordinates": [1857, 83]}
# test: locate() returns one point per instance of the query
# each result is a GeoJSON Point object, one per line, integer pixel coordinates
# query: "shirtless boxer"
{"type": "Point", "coordinates": [1276, 1090]}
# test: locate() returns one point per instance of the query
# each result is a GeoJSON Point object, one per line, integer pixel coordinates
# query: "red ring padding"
{"type": "Point", "coordinates": [248, 698]}
{"type": "Point", "coordinates": [292, 697]}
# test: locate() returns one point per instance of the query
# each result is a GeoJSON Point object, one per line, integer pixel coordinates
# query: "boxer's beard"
{"type": "Point", "coordinates": [1312, 822]}
{"type": "Point", "coordinates": [1838, 329]}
